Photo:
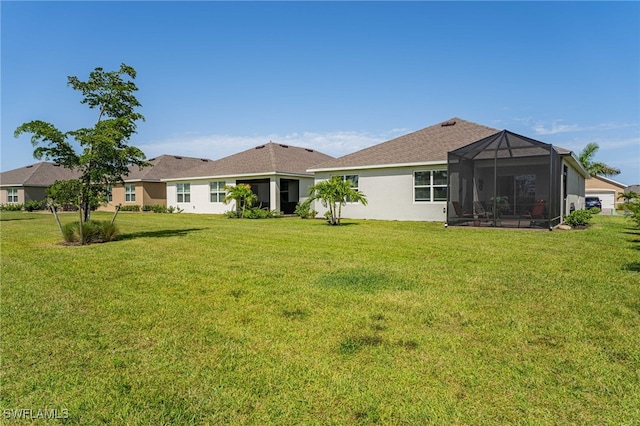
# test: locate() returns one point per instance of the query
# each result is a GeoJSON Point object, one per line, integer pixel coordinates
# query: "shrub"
{"type": "Point", "coordinates": [253, 213]}
{"type": "Point", "coordinates": [172, 209]}
{"type": "Point", "coordinates": [304, 210]}
{"type": "Point", "coordinates": [133, 208]}
{"type": "Point", "coordinates": [579, 218]}
{"type": "Point", "coordinates": [109, 231]}
{"type": "Point", "coordinates": [594, 210]}
{"type": "Point", "coordinates": [155, 208]}
{"type": "Point", "coordinates": [11, 207]}
{"type": "Point", "coordinates": [33, 205]}
{"type": "Point", "coordinates": [92, 232]}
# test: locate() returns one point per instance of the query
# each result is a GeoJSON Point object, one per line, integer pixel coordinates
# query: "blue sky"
{"type": "Point", "coordinates": [216, 78]}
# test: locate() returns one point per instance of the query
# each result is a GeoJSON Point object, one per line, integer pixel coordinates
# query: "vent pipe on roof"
{"type": "Point", "coordinates": [448, 123]}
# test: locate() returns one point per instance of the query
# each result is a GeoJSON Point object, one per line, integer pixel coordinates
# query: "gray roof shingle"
{"type": "Point", "coordinates": [39, 174]}
{"type": "Point", "coordinates": [164, 166]}
{"type": "Point", "coordinates": [426, 145]}
{"type": "Point", "coordinates": [263, 159]}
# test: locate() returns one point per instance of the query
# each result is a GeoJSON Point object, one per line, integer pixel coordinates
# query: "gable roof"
{"type": "Point", "coordinates": [610, 181]}
{"type": "Point", "coordinates": [430, 144]}
{"type": "Point", "coordinates": [39, 174]}
{"type": "Point", "coordinates": [164, 166]}
{"type": "Point", "coordinates": [269, 158]}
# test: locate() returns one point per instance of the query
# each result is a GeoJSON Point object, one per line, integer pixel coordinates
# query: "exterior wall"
{"type": "Point", "coordinates": [390, 195]}
{"type": "Point", "coordinates": [575, 189]}
{"type": "Point", "coordinates": [596, 186]}
{"type": "Point", "coordinates": [27, 193]}
{"type": "Point", "coordinates": [4, 195]}
{"type": "Point", "coordinates": [200, 200]}
{"type": "Point", "coordinates": [153, 193]}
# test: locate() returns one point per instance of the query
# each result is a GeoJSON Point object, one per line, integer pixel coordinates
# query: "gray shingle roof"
{"type": "Point", "coordinates": [39, 174]}
{"type": "Point", "coordinates": [263, 159]}
{"type": "Point", "coordinates": [164, 166]}
{"type": "Point", "coordinates": [426, 145]}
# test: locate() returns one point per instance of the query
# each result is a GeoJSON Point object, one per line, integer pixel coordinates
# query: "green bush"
{"type": "Point", "coordinates": [11, 207]}
{"type": "Point", "coordinates": [33, 205]}
{"type": "Point", "coordinates": [133, 208]}
{"type": "Point", "coordinates": [92, 232]}
{"type": "Point", "coordinates": [579, 218]}
{"type": "Point", "coordinates": [594, 210]}
{"type": "Point", "coordinates": [254, 213]}
{"type": "Point", "coordinates": [304, 210]}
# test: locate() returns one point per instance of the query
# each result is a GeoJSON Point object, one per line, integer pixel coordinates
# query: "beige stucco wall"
{"type": "Point", "coordinates": [24, 194]}
{"type": "Point", "coordinates": [596, 185]}
{"type": "Point", "coordinates": [147, 193]}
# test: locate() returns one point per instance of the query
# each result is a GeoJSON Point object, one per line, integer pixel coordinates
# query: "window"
{"type": "Point", "coordinates": [184, 192]}
{"type": "Point", "coordinates": [12, 195]}
{"type": "Point", "coordinates": [430, 185]}
{"type": "Point", "coordinates": [216, 191]}
{"type": "Point", "coordinates": [108, 193]}
{"type": "Point", "coordinates": [130, 193]}
{"type": "Point", "coordinates": [354, 182]}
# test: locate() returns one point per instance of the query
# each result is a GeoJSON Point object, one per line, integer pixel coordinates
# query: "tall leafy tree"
{"type": "Point", "coordinates": [592, 167]}
{"type": "Point", "coordinates": [100, 153]}
{"type": "Point", "coordinates": [335, 193]}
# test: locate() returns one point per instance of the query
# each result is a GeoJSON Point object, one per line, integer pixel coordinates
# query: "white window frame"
{"type": "Point", "coordinates": [216, 191]}
{"type": "Point", "coordinates": [109, 194]}
{"type": "Point", "coordinates": [129, 193]}
{"type": "Point", "coordinates": [183, 192]}
{"type": "Point", "coordinates": [12, 195]}
{"type": "Point", "coordinates": [431, 186]}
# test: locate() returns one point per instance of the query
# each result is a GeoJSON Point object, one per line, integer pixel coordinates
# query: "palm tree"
{"type": "Point", "coordinates": [334, 193]}
{"type": "Point", "coordinates": [242, 195]}
{"type": "Point", "coordinates": [595, 168]}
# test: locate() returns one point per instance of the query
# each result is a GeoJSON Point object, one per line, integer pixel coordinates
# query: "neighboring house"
{"type": "Point", "coordinates": [607, 190]}
{"type": "Point", "coordinates": [144, 186]}
{"type": "Point", "coordinates": [276, 172]}
{"type": "Point", "coordinates": [406, 178]}
{"type": "Point", "coordinates": [29, 183]}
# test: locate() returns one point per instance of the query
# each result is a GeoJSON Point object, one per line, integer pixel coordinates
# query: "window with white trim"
{"type": "Point", "coordinates": [130, 193]}
{"type": "Point", "coordinates": [430, 185]}
{"type": "Point", "coordinates": [184, 192]}
{"type": "Point", "coordinates": [108, 193]}
{"type": "Point", "coordinates": [216, 192]}
{"type": "Point", "coordinates": [354, 182]}
{"type": "Point", "coordinates": [12, 195]}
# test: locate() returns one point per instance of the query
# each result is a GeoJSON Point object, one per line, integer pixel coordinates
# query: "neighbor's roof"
{"type": "Point", "coordinates": [430, 144]}
{"type": "Point", "coordinates": [263, 159]}
{"type": "Point", "coordinates": [164, 166]}
{"type": "Point", "coordinates": [39, 174]}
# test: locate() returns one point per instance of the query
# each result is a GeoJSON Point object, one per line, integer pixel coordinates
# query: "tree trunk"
{"type": "Point", "coordinates": [55, 214]}
{"type": "Point", "coordinates": [80, 224]}
{"type": "Point", "coordinates": [113, 219]}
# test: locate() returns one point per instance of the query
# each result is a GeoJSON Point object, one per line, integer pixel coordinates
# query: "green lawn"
{"type": "Point", "coordinates": [197, 319]}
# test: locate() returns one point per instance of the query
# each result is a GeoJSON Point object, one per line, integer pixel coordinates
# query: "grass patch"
{"type": "Point", "coordinates": [196, 319]}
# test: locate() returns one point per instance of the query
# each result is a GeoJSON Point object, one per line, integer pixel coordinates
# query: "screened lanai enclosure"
{"type": "Point", "coordinates": [505, 180]}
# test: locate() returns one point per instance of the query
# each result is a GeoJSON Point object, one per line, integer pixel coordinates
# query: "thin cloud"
{"type": "Point", "coordinates": [558, 126]}
{"type": "Point", "coordinates": [336, 143]}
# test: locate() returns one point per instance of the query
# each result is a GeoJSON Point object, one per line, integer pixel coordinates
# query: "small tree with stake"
{"type": "Point", "coordinates": [104, 154]}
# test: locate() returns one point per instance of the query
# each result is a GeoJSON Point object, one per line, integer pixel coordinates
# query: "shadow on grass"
{"type": "Point", "coordinates": [2, 219]}
{"type": "Point", "coordinates": [159, 234]}
{"type": "Point", "coordinates": [632, 266]}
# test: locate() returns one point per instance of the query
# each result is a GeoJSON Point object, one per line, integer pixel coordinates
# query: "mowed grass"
{"type": "Point", "coordinates": [197, 319]}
